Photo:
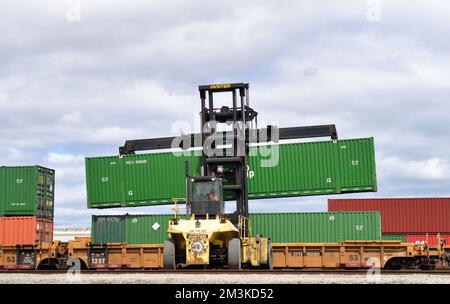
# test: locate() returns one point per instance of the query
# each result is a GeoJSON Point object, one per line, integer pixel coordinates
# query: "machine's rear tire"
{"type": "Point", "coordinates": [169, 255]}
{"type": "Point", "coordinates": [234, 254]}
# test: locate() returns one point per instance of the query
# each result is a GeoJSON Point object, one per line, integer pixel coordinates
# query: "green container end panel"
{"type": "Point", "coordinates": [313, 168]}
{"type": "Point", "coordinates": [356, 167]}
{"type": "Point", "coordinates": [317, 227]}
{"type": "Point", "coordinates": [137, 180]}
{"type": "Point", "coordinates": [27, 191]}
{"type": "Point", "coordinates": [108, 229]}
{"type": "Point", "coordinates": [147, 229]}
{"type": "Point", "coordinates": [393, 237]}
{"type": "Point", "coordinates": [104, 181]}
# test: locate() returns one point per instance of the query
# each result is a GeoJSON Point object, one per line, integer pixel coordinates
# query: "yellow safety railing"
{"type": "Point", "coordinates": [176, 208]}
{"type": "Point", "coordinates": [244, 226]}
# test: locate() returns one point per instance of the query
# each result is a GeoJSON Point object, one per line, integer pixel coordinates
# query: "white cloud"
{"type": "Point", "coordinates": [425, 170]}
{"type": "Point", "coordinates": [69, 171]}
{"type": "Point", "coordinates": [16, 155]}
{"type": "Point", "coordinates": [70, 195]}
{"type": "Point", "coordinates": [57, 158]}
{"type": "Point", "coordinates": [128, 70]}
{"type": "Point", "coordinates": [74, 118]}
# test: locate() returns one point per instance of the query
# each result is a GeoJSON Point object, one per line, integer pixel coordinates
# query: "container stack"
{"type": "Point", "coordinates": [299, 169]}
{"type": "Point", "coordinates": [412, 220]}
{"type": "Point", "coordinates": [26, 204]}
{"type": "Point", "coordinates": [302, 169]}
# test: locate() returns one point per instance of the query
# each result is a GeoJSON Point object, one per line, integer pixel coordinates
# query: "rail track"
{"type": "Point", "coordinates": [233, 272]}
{"type": "Point", "coordinates": [349, 257]}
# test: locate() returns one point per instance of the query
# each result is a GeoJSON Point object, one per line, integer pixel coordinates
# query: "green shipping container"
{"type": "Point", "coordinates": [313, 168]}
{"type": "Point", "coordinates": [147, 229]}
{"type": "Point", "coordinates": [280, 227]}
{"type": "Point", "coordinates": [27, 191]}
{"type": "Point", "coordinates": [108, 229]}
{"type": "Point", "coordinates": [317, 227]}
{"type": "Point", "coordinates": [393, 237]}
{"type": "Point", "coordinates": [137, 180]}
{"type": "Point", "coordinates": [131, 229]}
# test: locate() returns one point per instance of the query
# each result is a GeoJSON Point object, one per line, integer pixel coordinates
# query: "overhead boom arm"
{"type": "Point", "coordinates": [263, 135]}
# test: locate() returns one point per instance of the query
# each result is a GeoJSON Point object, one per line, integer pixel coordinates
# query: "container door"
{"type": "Point", "coordinates": [40, 194]}
{"type": "Point", "coordinates": [2, 231]}
{"type": "Point", "coordinates": [49, 194]}
{"type": "Point", "coordinates": [44, 230]}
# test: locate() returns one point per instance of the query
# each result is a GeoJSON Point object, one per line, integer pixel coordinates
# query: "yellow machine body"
{"type": "Point", "coordinates": [197, 237]}
{"type": "Point", "coordinates": [255, 251]}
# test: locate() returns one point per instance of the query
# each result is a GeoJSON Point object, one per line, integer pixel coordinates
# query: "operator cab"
{"type": "Point", "coordinates": [205, 197]}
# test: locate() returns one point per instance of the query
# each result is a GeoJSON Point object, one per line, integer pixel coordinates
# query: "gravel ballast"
{"type": "Point", "coordinates": [175, 278]}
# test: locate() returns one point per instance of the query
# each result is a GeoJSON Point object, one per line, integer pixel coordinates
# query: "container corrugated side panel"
{"type": "Point", "coordinates": [2, 191]}
{"type": "Point", "coordinates": [157, 178]}
{"type": "Point", "coordinates": [317, 226]}
{"type": "Point", "coordinates": [104, 182]}
{"type": "Point", "coordinates": [430, 239]}
{"type": "Point", "coordinates": [108, 229]}
{"type": "Point", "coordinates": [137, 180]}
{"type": "Point", "coordinates": [302, 169]}
{"type": "Point", "coordinates": [19, 230]}
{"type": "Point", "coordinates": [18, 190]}
{"type": "Point", "coordinates": [147, 229]}
{"type": "Point", "coordinates": [314, 168]}
{"type": "Point", "coordinates": [402, 215]}
{"type": "Point", "coordinates": [281, 227]}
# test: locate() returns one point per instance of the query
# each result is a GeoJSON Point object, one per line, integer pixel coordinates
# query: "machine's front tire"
{"type": "Point", "coordinates": [169, 255]}
{"type": "Point", "coordinates": [234, 254]}
{"type": "Point", "coordinates": [269, 264]}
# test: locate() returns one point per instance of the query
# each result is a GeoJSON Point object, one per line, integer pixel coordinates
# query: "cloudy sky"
{"type": "Point", "coordinates": [78, 78]}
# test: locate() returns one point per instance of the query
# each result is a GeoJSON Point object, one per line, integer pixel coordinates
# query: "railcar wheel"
{"type": "Point", "coordinates": [234, 254]}
{"type": "Point", "coordinates": [169, 255]}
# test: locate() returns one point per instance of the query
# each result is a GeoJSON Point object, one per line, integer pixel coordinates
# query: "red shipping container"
{"type": "Point", "coordinates": [25, 230]}
{"type": "Point", "coordinates": [431, 239]}
{"type": "Point", "coordinates": [402, 215]}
